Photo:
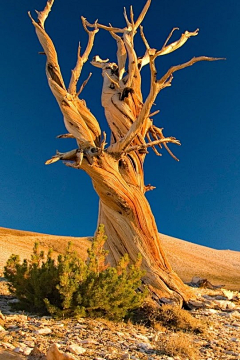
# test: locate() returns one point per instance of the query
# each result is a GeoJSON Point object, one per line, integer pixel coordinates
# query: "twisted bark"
{"type": "Point", "coordinates": [117, 171]}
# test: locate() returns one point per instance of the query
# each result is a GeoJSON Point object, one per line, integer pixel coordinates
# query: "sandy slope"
{"type": "Point", "coordinates": [187, 259]}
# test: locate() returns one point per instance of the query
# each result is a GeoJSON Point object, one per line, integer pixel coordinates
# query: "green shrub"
{"type": "Point", "coordinates": [70, 286]}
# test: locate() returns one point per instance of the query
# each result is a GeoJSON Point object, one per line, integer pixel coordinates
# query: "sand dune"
{"type": "Point", "coordinates": [187, 259]}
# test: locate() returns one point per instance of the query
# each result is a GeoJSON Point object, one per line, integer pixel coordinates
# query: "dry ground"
{"type": "Point", "coordinates": [187, 259]}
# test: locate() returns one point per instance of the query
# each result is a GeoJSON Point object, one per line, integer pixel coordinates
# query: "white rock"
{"type": "Point", "coordinates": [210, 311]}
{"type": "Point", "coordinates": [26, 350]}
{"type": "Point", "coordinates": [29, 343]}
{"type": "Point", "coordinates": [76, 349]}
{"type": "Point", "coordinates": [223, 304]}
{"type": "Point", "coordinates": [228, 293]}
{"type": "Point", "coordinates": [44, 331]}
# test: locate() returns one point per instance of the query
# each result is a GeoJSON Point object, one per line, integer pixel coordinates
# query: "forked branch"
{"type": "Point", "coordinates": [78, 119]}
{"type": "Point", "coordinates": [155, 87]}
{"type": "Point", "coordinates": [76, 72]}
{"type": "Point", "coordinates": [42, 15]}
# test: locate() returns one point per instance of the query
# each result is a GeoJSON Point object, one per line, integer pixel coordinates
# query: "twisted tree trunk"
{"type": "Point", "coordinates": [117, 171]}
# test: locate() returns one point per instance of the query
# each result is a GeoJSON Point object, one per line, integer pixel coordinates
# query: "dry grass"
{"type": "Point", "coordinates": [177, 319]}
{"type": "Point", "coordinates": [168, 317]}
{"type": "Point", "coordinates": [178, 344]}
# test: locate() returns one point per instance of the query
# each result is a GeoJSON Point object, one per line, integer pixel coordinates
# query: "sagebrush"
{"type": "Point", "coordinates": [68, 286]}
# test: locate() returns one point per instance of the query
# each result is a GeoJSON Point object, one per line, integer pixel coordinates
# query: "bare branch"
{"type": "Point", "coordinates": [149, 187]}
{"type": "Point", "coordinates": [153, 143]}
{"type": "Point", "coordinates": [131, 15]}
{"type": "Point", "coordinates": [65, 136]}
{"type": "Point", "coordinates": [149, 51]}
{"type": "Point", "coordinates": [173, 69]}
{"type": "Point", "coordinates": [70, 155]}
{"type": "Point", "coordinates": [107, 28]}
{"type": "Point", "coordinates": [142, 15]}
{"type": "Point", "coordinates": [121, 54]}
{"type": "Point", "coordinates": [156, 87]}
{"type": "Point", "coordinates": [169, 36]}
{"type": "Point", "coordinates": [42, 15]}
{"type": "Point", "coordinates": [177, 44]}
{"type": "Point", "coordinates": [154, 113]}
{"type": "Point", "coordinates": [76, 72]}
{"type": "Point", "coordinates": [98, 62]}
{"type": "Point", "coordinates": [126, 19]}
{"type": "Point", "coordinates": [84, 84]}
{"type": "Point", "coordinates": [158, 133]}
{"type": "Point", "coordinates": [91, 35]}
{"type": "Point", "coordinates": [52, 69]}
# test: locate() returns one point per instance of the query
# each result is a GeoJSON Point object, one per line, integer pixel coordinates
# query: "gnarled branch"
{"type": "Point", "coordinates": [78, 119]}
{"type": "Point", "coordinates": [76, 72]}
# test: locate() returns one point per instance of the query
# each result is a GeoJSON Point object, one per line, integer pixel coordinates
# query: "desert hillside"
{"type": "Point", "coordinates": [187, 259]}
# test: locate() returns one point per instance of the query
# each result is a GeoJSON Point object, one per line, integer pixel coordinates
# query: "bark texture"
{"type": "Point", "coordinates": [117, 170]}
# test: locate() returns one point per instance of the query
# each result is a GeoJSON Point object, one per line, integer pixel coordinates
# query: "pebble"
{"type": "Point", "coordinates": [76, 349]}
{"type": "Point", "coordinates": [102, 340]}
{"type": "Point", "coordinates": [44, 331]}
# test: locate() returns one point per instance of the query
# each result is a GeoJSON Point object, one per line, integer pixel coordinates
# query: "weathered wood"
{"type": "Point", "coordinates": [117, 170]}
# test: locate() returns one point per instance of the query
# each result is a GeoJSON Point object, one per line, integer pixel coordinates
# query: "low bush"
{"type": "Point", "coordinates": [70, 286]}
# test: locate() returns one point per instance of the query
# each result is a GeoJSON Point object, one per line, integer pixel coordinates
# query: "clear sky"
{"type": "Point", "coordinates": [196, 199]}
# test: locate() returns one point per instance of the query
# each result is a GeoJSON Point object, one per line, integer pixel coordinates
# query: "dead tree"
{"type": "Point", "coordinates": [117, 170]}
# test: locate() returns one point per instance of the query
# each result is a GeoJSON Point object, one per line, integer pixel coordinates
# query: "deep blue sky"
{"type": "Point", "coordinates": [196, 199]}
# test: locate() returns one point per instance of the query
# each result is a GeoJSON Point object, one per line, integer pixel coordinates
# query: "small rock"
{"type": "Point", "coordinates": [220, 297]}
{"type": "Point", "coordinates": [228, 352]}
{"type": "Point", "coordinates": [44, 331]}
{"type": "Point", "coordinates": [26, 350]}
{"type": "Point", "coordinates": [76, 349]}
{"type": "Point", "coordinates": [195, 304]}
{"type": "Point", "coordinates": [224, 305]}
